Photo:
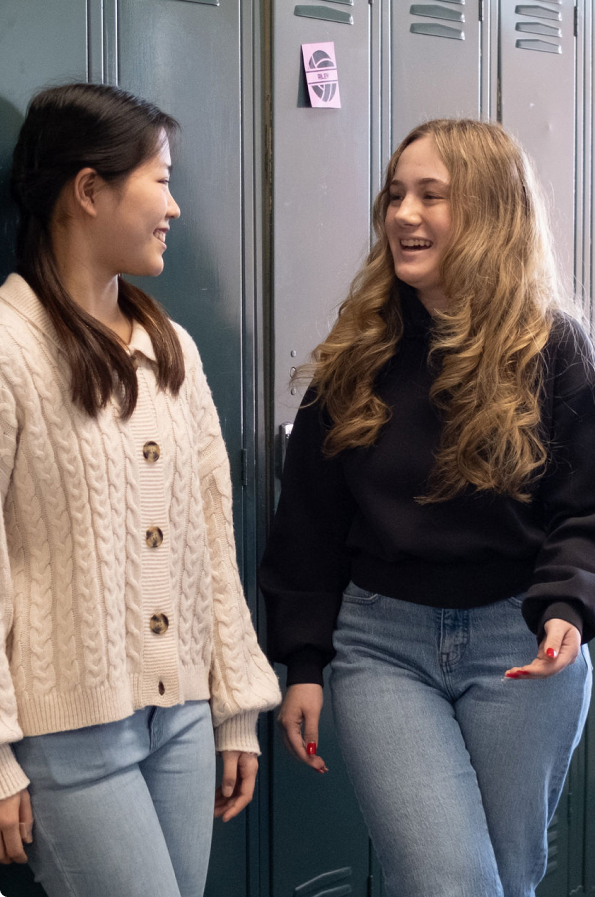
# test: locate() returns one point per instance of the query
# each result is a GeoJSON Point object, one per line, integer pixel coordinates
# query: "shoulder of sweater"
{"type": "Point", "coordinates": [569, 357]}
{"type": "Point", "coordinates": [23, 316]}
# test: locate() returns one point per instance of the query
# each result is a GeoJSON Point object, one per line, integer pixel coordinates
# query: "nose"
{"type": "Point", "coordinates": [408, 210]}
{"type": "Point", "coordinates": [173, 209]}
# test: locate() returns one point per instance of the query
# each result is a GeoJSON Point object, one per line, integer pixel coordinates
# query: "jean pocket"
{"type": "Point", "coordinates": [355, 595]}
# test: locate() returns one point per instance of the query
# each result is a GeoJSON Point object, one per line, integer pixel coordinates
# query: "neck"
{"type": "Point", "coordinates": [433, 300]}
{"type": "Point", "coordinates": [91, 288]}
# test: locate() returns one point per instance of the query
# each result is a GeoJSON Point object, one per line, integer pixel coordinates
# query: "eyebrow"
{"type": "Point", "coordinates": [422, 181]}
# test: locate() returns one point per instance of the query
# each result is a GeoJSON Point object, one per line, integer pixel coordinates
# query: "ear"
{"type": "Point", "coordinates": [85, 188]}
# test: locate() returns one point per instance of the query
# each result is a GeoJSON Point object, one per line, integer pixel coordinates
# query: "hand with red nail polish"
{"type": "Point", "coordinates": [299, 717]}
{"type": "Point", "coordinates": [559, 648]}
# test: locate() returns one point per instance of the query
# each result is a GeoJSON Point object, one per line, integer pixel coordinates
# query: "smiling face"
{"type": "Point", "coordinates": [135, 217]}
{"type": "Point", "coordinates": [418, 220]}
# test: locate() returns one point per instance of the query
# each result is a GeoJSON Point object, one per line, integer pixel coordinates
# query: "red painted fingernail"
{"type": "Point", "coordinates": [524, 673]}
{"type": "Point", "coordinates": [551, 653]}
{"type": "Point", "coordinates": [513, 675]}
{"type": "Point", "coordinates": [311, 748]}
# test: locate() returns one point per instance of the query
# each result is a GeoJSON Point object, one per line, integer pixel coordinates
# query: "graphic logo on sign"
{"type": "Point", "coordinates": [321, 74]}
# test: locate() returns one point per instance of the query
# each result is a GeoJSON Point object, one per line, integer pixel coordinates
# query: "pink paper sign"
{"type": "Point", "coordinates": [321, 74]}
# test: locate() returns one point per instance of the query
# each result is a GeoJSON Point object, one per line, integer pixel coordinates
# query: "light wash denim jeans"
{"type": "Point", "coordinates": [457, 770]}
{"type": "Point", "coordinates": [124, 809]}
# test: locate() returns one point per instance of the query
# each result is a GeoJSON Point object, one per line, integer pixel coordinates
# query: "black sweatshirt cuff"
{"type": "Point", "coordinates": [305, 666]}
{"type": "Point", "coordinates": [570, 611]}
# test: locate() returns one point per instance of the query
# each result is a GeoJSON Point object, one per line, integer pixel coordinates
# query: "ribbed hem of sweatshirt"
{"type": "Point", "coordinates": [238, 733]}
{"type": "Point", "coordinates": [12, 777]}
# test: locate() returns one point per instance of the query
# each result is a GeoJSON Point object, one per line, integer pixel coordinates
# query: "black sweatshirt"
{"type": "Point", "coordinates": [354, 516]}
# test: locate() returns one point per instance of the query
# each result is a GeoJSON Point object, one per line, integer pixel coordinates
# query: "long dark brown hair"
{"type": "Point", "coordinates": [105, 128]}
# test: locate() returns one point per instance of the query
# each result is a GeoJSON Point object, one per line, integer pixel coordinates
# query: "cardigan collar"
{"type": "Point", "coordinates": [17, 293]}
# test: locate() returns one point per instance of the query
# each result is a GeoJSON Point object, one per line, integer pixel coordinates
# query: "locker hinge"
{"type": "Point", "coordinates": [576, 21]}
{"type": "Point", "coordinates": [481, 10]}
{"type": "Point", "coordinates": [244, 466]}
{"type": "Point", "coordinates": [370, 885]}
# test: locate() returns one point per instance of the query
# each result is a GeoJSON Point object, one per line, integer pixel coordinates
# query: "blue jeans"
{"type": "Point", "coordinates": [457, 770]}
{"type": "Point", "coordinates": [124, 808]}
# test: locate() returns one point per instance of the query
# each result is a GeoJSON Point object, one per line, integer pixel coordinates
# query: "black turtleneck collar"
{"type": "Point", "coordinates": [417, 320]}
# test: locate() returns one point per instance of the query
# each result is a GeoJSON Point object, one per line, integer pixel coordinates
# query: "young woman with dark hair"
{"type": "Point", "coordinates": [437, 513]}
{"type": "Point", "coordinates": [127, 640]}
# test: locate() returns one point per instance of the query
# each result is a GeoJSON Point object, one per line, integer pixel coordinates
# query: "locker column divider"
{"type": "Point", "coordinates": [255, 224]}
{"type": "Point", "coordinates": [489, 60]}
{"type": "Point", "coordinates": [95, 41]}
{"type": "Point", "coordinates": [264, 388]}
{"type": "Point", "coordinates": [111, 67]}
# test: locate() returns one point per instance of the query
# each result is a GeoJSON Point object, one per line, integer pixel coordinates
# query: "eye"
{"type": "Point", "coordinates": [395, 197]}
{"type": "Point", "coordinates": [164, 181]}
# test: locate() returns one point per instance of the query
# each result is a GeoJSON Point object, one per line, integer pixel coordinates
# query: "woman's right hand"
{"type": "Point", "coordinates": [16, 825]}
{"type": "Point", "coordinates": [299, 716]}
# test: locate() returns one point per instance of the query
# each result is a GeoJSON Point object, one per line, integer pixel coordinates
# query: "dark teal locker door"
{"type": "Point", "coordinates": [40, 44]}
{"type": "Point", "coordinates": [186, 57]}
{"type": "Point", "coordinates": [321, 206]}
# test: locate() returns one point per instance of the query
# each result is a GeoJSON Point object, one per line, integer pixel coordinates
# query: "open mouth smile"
{"type": "Point", "coordinates": [415, 243]}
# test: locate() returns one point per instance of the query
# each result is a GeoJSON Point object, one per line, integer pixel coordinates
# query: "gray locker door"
{"type": "Point", "coordinates": [537, 77]}
{"type": "Point", "coordinates": [436, 62]}
{"type": "Point", "coordinates": [186, 57]}
{"type": "Point", "coordinates": [321, 207]}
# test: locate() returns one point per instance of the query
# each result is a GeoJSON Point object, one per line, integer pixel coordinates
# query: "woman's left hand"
{"type": "Point", "coordinates": [237, 783]}
{"type": "Point", "coordinates": [559, 649]}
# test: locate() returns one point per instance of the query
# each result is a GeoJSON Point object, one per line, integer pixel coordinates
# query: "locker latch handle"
{"type": "Point", "coordinates": [284, 434]}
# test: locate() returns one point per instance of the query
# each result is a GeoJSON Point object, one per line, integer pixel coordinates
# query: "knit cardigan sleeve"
{"type": "Point", "coordinates": [242, 681]}
{"type": "Point", "coordinates": [12, 777]}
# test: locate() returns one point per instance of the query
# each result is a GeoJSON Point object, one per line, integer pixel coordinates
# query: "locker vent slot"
{"type": "Point", "coordinates": [547, 30]}
{"type": "Point", "coordinates": [437, 12]}
{"type": "Point", "coordinates": [539, 12]}
{"type": "Point", "coordinates": [344, 2]}
{"type": "Point", "coordinates": [539, 28]}
{"type": "Point", "coordinates": [204, 2]}
{"type": "Point", "coordinates": [543, 46]}
{"type": "Point", "coordinates": [438, 30]}
{"type": "Point", "coordinates": [323, 12]}
{"type": "Point", "coordinates": [326, 885]}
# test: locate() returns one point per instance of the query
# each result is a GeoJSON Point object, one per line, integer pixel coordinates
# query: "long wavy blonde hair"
{"type": "Point", "coordinates": [500, 279]}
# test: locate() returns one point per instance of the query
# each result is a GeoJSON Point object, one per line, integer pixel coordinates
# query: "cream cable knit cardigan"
{"type": "Point", "coordinates": [80, 577]}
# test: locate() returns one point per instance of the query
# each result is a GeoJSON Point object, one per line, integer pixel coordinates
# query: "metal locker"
{"type": "Point", "coordinates": [187, 57]}
{"type": "Point", "coordinates": [321, 187]}
{"type": "Point", "coordinates": [436, 62]}
{"type": "Point", "coordinates": [538, 84]}
{"type": "Point", "coordinates": [321, 199]}
{"type": "Point", "coordinates": [38, 46]}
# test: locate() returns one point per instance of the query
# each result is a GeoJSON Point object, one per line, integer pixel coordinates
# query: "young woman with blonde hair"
{"type": "Point", "coordinates": [437, 513]}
